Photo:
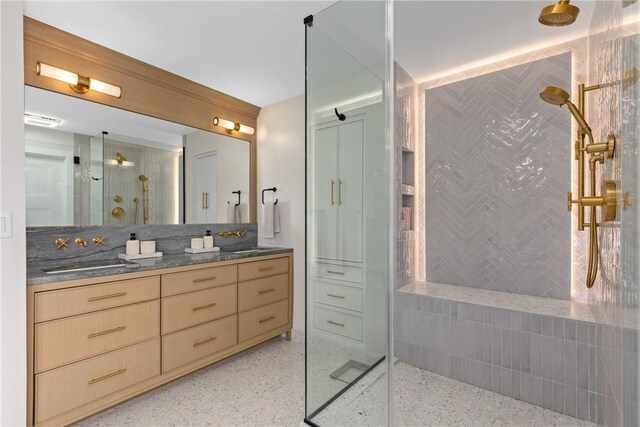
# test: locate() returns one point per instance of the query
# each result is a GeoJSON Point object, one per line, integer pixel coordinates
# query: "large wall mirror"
{"type": "Point", "coordinates": [91, 164]}
{"type": "Point", "coordinates": [152, 153]}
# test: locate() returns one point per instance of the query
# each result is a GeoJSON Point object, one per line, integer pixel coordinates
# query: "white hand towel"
{"type": "Point", "coordinates": [270, 220]}
{"type": "Point", "coordinates": [231, 213]}
{"type": "Point", "coordinates": [238, 214]}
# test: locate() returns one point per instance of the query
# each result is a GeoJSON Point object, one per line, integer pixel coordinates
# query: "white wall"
{"type": "Point", "coordinates": [281, 164]}
{"type": "Point", "coordinates": [232, 174]}
{"type": "Point", "coordinates": [13, 354]}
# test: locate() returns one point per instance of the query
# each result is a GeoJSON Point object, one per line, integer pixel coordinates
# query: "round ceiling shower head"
{"type": "Point", "coordinates": [554, 95]}
{"type": "Point", "coordinates": [559, 15]}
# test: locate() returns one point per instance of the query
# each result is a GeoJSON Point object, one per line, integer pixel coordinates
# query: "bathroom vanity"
{"type": "Point", "coordinates": [96, 341]}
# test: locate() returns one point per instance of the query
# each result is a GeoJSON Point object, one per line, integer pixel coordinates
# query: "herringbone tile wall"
{"type": "Point", "coordinates": [497, 170]}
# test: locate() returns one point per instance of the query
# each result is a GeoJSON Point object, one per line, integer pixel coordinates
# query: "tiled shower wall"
{"type": "Point", "coordinates": [614, 297]}
{"type": "Point", "coordinates": [497, 171]}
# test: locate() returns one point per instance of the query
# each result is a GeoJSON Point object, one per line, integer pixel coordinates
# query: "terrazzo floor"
{"type": "Point", "coordinates": [265, 387]}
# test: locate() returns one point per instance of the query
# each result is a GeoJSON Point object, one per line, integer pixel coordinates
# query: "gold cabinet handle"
{"type": "Point", "coordinates": [202, 307]}
{"type": "Point", "coordinates": [332, 185]}
{"type": "Point", "coordinates": [266, 268]}
{"type": "Point", "coordinates": [101, 297]}
{"type": "Point", "coordinates": [339, 191]}
{"type": "Point", "coordinates": [335, 323]}
{"type": "Point", "coordinates": [339, 273]}
{"type": "Point", "coordinates": [266, 319]}
{"type": "Point", "coordinates": [105, 377]}
{"type": "Point", "coordinates": [336, 296]}
{"type": "Point", "coordinates": [266, 291]}
{"type": "Point", "coordinates": [108, 331]}
{"type": "Point", "coordinates": [204, 279]}
{"type": "Point", "coordinates": [199, 343]}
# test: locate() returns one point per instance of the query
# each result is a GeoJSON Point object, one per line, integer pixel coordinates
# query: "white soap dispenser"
{"type": "Point", "coordinates": [208, 240]}
{"type": "Point", "coordinates": [133, 245]}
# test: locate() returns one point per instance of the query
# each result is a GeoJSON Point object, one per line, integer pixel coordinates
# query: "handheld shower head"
{"type": "Point", "coordinates": [556, 96]}
{"type": "Point", "coordinates": [559, 15]}
{"type": "Point", "coordinates": [143, 178]}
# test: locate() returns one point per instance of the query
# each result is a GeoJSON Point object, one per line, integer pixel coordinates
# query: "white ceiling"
{"type": "Point", "coordinates": [436, 37]}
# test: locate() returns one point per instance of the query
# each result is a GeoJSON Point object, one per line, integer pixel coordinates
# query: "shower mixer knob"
{"type": "Point", "coordinates": [570, 201]}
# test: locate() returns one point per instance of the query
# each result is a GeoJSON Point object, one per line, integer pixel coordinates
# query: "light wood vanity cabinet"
{"type": "Point", "coordinates": [96, 342]}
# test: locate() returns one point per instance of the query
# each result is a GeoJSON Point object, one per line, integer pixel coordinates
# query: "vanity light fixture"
{"type": "Point", "coordinates": [36, 120]}
{"type": "Point", "coordinates": [231, 127]}
{"type": "Point", "coordinates": [79, 84]}
{"type": "Point", "coordinates": [120, 160]}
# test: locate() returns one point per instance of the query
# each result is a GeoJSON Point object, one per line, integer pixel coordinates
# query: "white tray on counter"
{"type": "Point", "coordinates": [201, 250]}
{"type": "Point", "coordinates": [139, 256]}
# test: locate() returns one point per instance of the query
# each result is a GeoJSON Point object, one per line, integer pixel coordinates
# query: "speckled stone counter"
{"type": "Point", "coordinates": [36, 275]}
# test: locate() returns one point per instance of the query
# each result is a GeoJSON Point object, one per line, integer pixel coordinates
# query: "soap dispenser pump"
{"type": "Point", "coordinates": [208, 240]}
{"type": "Point", "coordinates": [133, 245]}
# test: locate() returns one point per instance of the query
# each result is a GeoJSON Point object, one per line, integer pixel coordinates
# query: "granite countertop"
{"type": "Point", "coordinates": [36, 276]}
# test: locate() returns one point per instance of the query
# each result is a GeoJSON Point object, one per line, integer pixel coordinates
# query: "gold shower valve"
{"type": "Point", "coordinates": [608, 147]}
{"type": "Point", "coordinates": [608, 201]}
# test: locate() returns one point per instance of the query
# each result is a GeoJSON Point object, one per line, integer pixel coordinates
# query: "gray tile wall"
{"type": "Point", "coordinates": [546, 361]}
{"type": "Point", "coordinates": [495, 154]}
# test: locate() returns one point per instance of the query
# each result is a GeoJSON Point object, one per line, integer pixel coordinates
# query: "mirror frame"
{"type": "Point", "coordinates": [146, 89]}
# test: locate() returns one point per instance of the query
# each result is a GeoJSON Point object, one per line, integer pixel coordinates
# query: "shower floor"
{"type": "Point", "coordinates": [423, 398]}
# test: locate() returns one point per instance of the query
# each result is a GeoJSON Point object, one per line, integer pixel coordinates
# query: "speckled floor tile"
{"type": "Point", "coordinates": [264, 386]}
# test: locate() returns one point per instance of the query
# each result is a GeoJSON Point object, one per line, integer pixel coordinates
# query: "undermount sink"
{"type": "Point", "coordinates": [85, 266]}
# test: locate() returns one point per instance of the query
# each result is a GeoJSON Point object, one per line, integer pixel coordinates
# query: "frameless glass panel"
{"type": "Point", "coordinates": [347, 196]}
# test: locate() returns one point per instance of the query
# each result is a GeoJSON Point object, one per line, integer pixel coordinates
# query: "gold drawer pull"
{"type": "Point", "coordinates": [199, 343]}
{"type": "Point", "coordinates": [202, 307]}
{"type": "Point", "coordinates": [108, 331]}
{"type": "Point", "coordinates": [105, 377]}
{"type": "Point", "coordinates": [119, 294]}
{"type": "Point", "coordinates": [266, 319]}
{"type": "Point", "coordinates": [204, 279]}
{"type": "Point", "coordinates": [335, 323]}
{"type": "Point", "coordinates": [336, 296]}
{"type": "Point", "coordinates": [339, 273]}
{"type": "Point", "coordinates": [266, 291]}
{"type": "Point", "coordinates": [266, 268]}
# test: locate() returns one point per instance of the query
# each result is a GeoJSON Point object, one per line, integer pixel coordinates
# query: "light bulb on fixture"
{"type": "Point", "coordinates": [78, 83]}
{"type": "Point", "coordinates": [231, 127]}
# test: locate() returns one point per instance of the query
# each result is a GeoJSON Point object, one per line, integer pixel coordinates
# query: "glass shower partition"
{"type": "Point", "coordinates": [347, 216]}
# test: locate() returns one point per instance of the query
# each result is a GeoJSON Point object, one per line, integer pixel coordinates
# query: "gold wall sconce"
{"type": "Point", "coordinates": [120, 160]}
{"type": "Point", "coordinates": [232, 127]}
{"type": "Point", "coordinates": [79, 84]}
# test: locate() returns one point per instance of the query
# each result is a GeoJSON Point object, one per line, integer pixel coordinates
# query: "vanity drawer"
{"type": "Point", "coordinates": [264, 319]}
{"type": "Point", "coordinates": [339, 296]}
{"type": "Point", "coordinates": [194, 308]}
{"type": "Point", "coordinates": [59, 342]}
{"type": "Point", "coordinates": [257, 269]}
{"type": "Point", "coordinates": [339, 323]}
{"type": "Point", "coordinates": [66, 388]}
{"type": "Point", "coordinates": [339, 272]}
{"type": "Point", "coordinates": [259, 292]}
{"type": "Point", "coordinates": [68, 302]}
{"type": "Point", "coordinates": [194, 343]}
{"type": "Point", "coordinates": [178, 283]}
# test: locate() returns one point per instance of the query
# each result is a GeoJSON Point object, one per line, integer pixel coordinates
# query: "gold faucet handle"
{"type": "Point", "coordinates": [570, 201]}
{"type": "Point", "coordinates": [60, 243]}
{"type": "Point", "coordinates": [99, 240]}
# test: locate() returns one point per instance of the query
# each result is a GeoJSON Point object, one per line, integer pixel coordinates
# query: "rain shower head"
{"type": "Point", "coordinates": [559, 15]}
{"type": "Point", "coordinates": [556, 96]}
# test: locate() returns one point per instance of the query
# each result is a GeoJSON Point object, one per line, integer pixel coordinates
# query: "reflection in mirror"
{"type": "Point", "coordinates": [98, 165]}
{"type": "Point", "coordinates": [217, 178]}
